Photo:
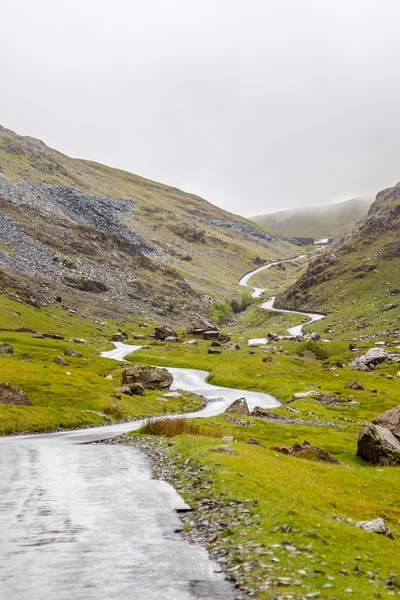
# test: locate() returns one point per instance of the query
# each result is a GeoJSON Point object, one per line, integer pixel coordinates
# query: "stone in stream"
{"type": "Point", "coordinates": [152, 378]}
{"type": "Point", "coordinates": [10, 394]}
{"type": "Point", "coordinates": [238, 407]}
{"type": "Point", "coordinates": [378, 446]}
{"type": "Point", "coordinates": [390, 419]}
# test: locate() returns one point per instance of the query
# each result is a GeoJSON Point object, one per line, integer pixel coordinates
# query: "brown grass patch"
{"type": "Point", "coordinates": [171, 427]}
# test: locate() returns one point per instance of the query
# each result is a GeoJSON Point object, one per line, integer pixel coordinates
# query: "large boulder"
{"type": "Point", "coordinates": [151, 378]}
{"type": "Point", "coordinates": [6, 349]}
{"type": "Point", "coordinates": [238, 407]}
{"type": "Point", "coordinates": [378, 446]}
{"type": "Point", "coordinates": [117, 337]}
{"type": "Point", "coordinates": [375, 526]}
{"type": "Point", "coordinates": [199, 326]}
{"type": "Point", "coordinates": [390, 420]}
{"type": "Point", "coordinates": [370, 360]}
{"type": "Point", "coordinates": [164, 331]}
{"type": "Point", "coordinates": [211, 334]}
{"type": "Point", "coordinates": [9, 394]}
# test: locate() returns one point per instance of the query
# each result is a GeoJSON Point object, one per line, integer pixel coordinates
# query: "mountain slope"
{"type": "Point", "coordinates": [317, 222]}
{"type": "Point", "coordinates": [112, 242]}
{"type": "Point", "coordinates": [356, 280]}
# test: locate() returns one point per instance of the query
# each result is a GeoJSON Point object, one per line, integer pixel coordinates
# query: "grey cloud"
{"type": "Point", "coordinates": [257, 105]}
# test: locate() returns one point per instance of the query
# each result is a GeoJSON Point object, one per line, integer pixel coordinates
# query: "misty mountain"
{"type": "Point", "coordinates": [330, 220]}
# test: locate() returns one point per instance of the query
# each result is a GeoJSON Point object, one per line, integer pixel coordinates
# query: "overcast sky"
{"type": "Point", "coordinates": [257, 105]}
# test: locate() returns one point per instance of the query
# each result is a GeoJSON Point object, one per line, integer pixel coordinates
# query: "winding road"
{"type": "Point", "coordinates": [269, 305]}
{"type": "Point", "coordinates": [88, 522]}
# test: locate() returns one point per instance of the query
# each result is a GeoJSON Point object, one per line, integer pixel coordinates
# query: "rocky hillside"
{"type": "Point", "coordinates": [317, 222]}
{"type": "Point", "coordinates": [357, 279]}
{"type": "Point", "coordinates": [86, 235]}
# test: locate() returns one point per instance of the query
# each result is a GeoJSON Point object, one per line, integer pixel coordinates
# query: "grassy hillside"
{"type": "Point", "coordinates": [317, 222]}
{"type": "Point", "coordinates": [322, 550]}
{"type": "Point", "coordinates": [357, 279]}
{"type": "Point", "coordinates": [113, 242]}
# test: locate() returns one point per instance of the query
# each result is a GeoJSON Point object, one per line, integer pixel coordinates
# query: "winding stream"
{"type": "Point", "coordinates": [269, 305]}
{"type": "Point", "coordinates": [88, 521]}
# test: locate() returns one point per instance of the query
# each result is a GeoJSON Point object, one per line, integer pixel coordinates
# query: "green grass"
{"type": "Point", "coordinates": [60, 400]}
{"type": "Point", "coordinates": [309, 497]}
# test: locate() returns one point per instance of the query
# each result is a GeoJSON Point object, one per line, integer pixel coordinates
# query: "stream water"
{"type": "Point", "coordinates": [269, 305]}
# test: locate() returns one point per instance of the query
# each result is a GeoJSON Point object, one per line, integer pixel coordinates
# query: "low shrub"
{"type": "Point", "coordinates": [318, 350]}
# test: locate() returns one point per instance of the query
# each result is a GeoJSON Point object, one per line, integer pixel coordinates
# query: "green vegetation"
{"type": "Point", "coordinates": [356, 280]}
{"type": "Point", "coordinates": [322, 550]}
{"type": "Point", "coordinates": [239, 305]}
{"type": "Point", "coordinates": [221, 313]}
{"type": "Point", "coordinates": [316, 500]}
{"type": "Point", "coordinates": [320, 352]}
{"type": "Point", "coordinates": [60, 400]}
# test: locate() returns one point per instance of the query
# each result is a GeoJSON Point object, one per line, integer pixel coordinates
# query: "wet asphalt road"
{"type": "Point", "coordinates": [81, 521]}
{"type": "Point", "coordinates": [88, 522]}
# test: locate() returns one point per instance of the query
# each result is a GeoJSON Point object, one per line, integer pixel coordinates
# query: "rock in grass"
{"type": "Point", "coordinates": [307, 451]}
{"type": "Point", "coordinates": [164, 331]}
{"type": "Point", "coordinates": [390, 420]}
{"type": "Point", "coordinates": [310, 394]}
{"type": "Point", "coordinates": [255, 442]}
{"type": "Point", "coordinates": [117, 337]}
{"type": "Point", "coordinates": [152, 378]}
{"type": "Point", "coordinates": [224, 338]}
{"type": "Point", "coordinates": [378, 446]}
{"type": "Point", "coordinates": [354, 385]}
{"type": "Point", "coordinates": [10, 394]}
{"type": "Point", "coordinates": [238, 407]}
{"type": "Point", "coordinates": [72, 352]}
{"type": "Point", "coordinates": [137, 389]}
{"type": "Point", "coordinates": [308, 354]}
{"type": "Point", "coordinates": [369, 360]}
{"type": "Point", "coordinates": [199, 326]}
{"type": "Point", "coordinates": [59, 360]}
{"type": "Point", "coordinates": [375, 526]}
{"type": "Point", "coordinates": [124, 389]}
{"type": "Point", "coordinates": [6, 349]}
{"type": "Point", "coordinates": [213, 351]}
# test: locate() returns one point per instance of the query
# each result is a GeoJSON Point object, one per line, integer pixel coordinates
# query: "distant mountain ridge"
{"type": "Point", "coordinates": [330, 220]}
{"type": "Point", "coordinates": [356, 280]}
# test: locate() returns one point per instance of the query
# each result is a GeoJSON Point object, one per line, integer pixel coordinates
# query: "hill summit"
{"type": "Point", "coordinates": [330, 220]}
